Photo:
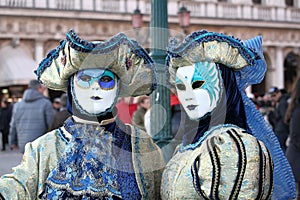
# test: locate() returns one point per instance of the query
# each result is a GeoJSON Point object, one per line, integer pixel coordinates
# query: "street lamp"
{"type": "Point", "coordinates": [137, 18]}
{"type": "Point", "coordinates": [184, 18]}
{"type": "Point", "coordinates": [137, 23]}
{"type": "Point", "coordinates": [160, 113]}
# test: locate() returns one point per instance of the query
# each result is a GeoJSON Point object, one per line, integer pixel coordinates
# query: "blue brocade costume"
{"type": "Point", "coordinates": [119, 162]}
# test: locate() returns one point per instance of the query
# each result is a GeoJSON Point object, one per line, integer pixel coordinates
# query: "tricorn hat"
{"type": "Point", "coordinates": [215, 47]}
{"type": "Point", "coordinates": [121, 55]}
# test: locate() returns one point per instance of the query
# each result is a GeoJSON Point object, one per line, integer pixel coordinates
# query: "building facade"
{"type": "Point", "coordinates": [30, 28]}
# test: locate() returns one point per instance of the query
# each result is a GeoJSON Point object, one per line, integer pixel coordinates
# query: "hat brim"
{"type": "Point", "coordinates": [211, 47]}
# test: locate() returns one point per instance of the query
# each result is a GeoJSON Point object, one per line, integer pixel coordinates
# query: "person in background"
{"type": "Point", "coordinates": [265, 107]}
{"type": "Point", "coordinates": [177, 114]}
{"type": "Point", "coordinates": [5, 117]}
{"type": "Point", "coordinates": [31, 117]}
{"type": "Point", "coordinates": [279, 99]}
{"type": "Point", "coordinates": [14, 100]}
{"type": "Point", "coordinates": [292, 118]}
{"type": "Point", "coordinates": [61, 115]}
{"type": "Point", "coordinates": [177, 118]}
{"type": "Point", "coordinates": [273, 95]}
{"type": "Point", "coordinates": [56, 104]}
{"type": "Point", "coordinates": [138, 117]}
{"type": "Point", "coordinates": [126, 107]}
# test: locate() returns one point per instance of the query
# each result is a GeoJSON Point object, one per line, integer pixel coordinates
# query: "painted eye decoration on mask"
{"type": "Point", "coordinates": [206, 76]}
{"type": "Point", "coordinates": [106, 79]}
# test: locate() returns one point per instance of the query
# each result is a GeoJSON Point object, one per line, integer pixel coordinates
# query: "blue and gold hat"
{"type": "Point", "coordinates": [214, 47]}
{"type": "Point", "coordinates": [121, 55]}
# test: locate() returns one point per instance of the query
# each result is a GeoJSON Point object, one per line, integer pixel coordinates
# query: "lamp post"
{"type": "Point", "coordinates": [184, 18]}
{"type": "Point", "coordinates": [160, 116]}
{"type": "Point", "coordinates": [137, 18]}
{"type": "Point", "coordinates": [137, 21]}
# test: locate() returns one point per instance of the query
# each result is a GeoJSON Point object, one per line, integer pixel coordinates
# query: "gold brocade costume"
{"type": "Point", "coordinates": [231, 152]}
{"type": "Point", "coordinates": [226, 152]}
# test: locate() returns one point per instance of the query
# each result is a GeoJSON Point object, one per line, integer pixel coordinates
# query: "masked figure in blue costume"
{"type": "Point", "coordinates": [93, 155]}
{"type": "Point", "coordinates": [228, 151]}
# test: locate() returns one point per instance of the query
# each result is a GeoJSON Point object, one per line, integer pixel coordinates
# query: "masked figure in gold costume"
{"type": "Point", "coordinates": [228, 150]}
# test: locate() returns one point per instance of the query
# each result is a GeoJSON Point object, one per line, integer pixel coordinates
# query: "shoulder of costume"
{"type": "Point", "coordinates": [213, 131]}
{"type": "Point", "coordinates": [49, 140]}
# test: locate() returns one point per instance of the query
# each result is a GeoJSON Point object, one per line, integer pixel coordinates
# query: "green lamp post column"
{"type": "Point", "coordinates": [160, 116]}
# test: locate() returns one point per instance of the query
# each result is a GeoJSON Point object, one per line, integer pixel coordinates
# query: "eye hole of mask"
{"type": "Point", "coordinates": [106, 82]}
{"type": "Point", "coordinates": [85, 78]}
{"type": "Point", "coordinates": [180, 86]}
{"type": "Point", "coordinates": [106, 79]}
{"type": "Point", "coordinates": [197, 84]}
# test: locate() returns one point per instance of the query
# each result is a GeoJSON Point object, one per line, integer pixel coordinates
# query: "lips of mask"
{"type": "Point", "coordinates": [198, 88]}
{"type": "Point", "coordinates": [95, 90]}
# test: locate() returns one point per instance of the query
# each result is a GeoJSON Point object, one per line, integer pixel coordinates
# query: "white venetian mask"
{"type": "Point", "coordinates": [198, 88]}
{"type": "Point", "coordinates": [95, 90]}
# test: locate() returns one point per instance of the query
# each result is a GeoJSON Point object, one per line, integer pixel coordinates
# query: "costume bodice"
{"type": "Point", "coordinates": [177, 182]}
{"type": "Point", "coordinates": [90, 166]}
{"type": "Point", "coordinates": [197, 168]}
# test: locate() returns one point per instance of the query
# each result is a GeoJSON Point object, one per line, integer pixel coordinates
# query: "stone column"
{"type": "Point", "coordinates": [278, 76]}
{"type": "Point", "coordinates": [297, 3]}
{"type": "Point", "coordinates": [39, 50]}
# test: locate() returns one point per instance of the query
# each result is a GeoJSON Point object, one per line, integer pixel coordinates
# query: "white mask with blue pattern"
{"type": "Point", "coordinates": [95, 90]}
{"type": "Point", "coordinates": [199, 88]}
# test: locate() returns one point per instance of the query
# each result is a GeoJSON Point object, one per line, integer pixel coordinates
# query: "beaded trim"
{"type": "Point", "coordinates": [196, 181]}
{"type": "Point", "coordinates": [271, 177]}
